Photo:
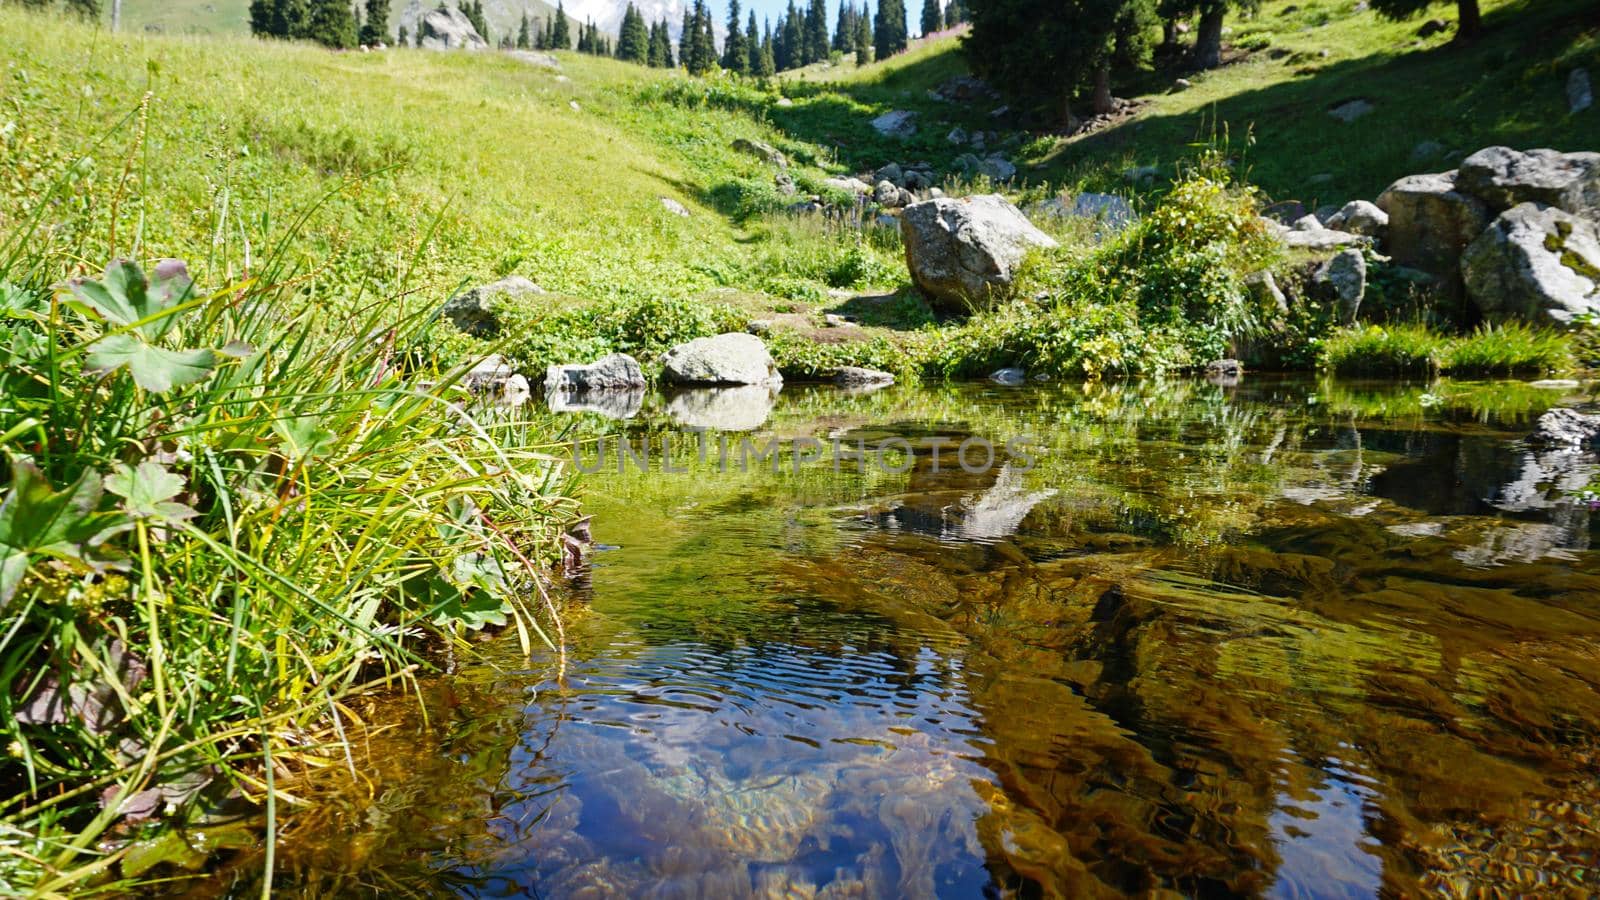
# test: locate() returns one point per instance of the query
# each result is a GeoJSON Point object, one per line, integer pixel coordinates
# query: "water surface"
{"type": "Point", "coordinates": [1284, 639]}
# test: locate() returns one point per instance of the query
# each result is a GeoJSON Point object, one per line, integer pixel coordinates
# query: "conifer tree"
{"type": "Point", "coordinates": [817, 31]}
{"type": "Point", "coordinates": [889, 29]}
{"type": "Point", "coordinates": [794, 40]}
{"type": "Point", "coordinates": [735, 54]}
{"type": "Point", "coordinates": [560, 30]}
{"type": "Point", "coordinates": [633, 41]}
{"type": "Point", "coordinates": [769, 63]}
{"type": "Point", "coordinates": [863, 37]}
{"type": "Point", "coordinates": [375, 30]}
{"type": "Point", "coordinates": [1469, 20]}
{"type": "Point", "coordinates": [88, 10]}
{"type": "Point", "coordinates": [687, 37]}
{"type": "Point", "coordinates": [752, 46]}
{"type": "Point", "coordinates": [932, 17]}
{"type": "Point", "coordinates": [405, 37]}
{"type": "Point", "coordinates": [332, 24]}
{"type": "Point", "coordinates": [525, 33]}
{"type": "Point", "coordinates": [667, 59]}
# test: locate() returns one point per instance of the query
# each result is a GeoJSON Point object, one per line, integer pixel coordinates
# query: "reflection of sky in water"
{"type": "Point", "coordinates": [1323, 838]}
{"type": "Point", "coordinates": [682, 768]}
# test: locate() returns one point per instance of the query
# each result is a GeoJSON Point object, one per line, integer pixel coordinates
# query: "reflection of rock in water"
{"type": "Point", "coordinates": [984, 501]}
{"type": "Point", "coordinates": [742, 408]}
{"type": "Point", "coordinates": [611, 404]}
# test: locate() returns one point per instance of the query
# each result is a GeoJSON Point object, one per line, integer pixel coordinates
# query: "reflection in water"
{"type": "Point", "coordinates": [1282, 640]}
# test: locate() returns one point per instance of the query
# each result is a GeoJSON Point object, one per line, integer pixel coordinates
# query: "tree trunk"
{"type": "Point", "coordinates": [1169, 32]}
{"type": "Point", "coordinates": [116, 14]}
{"type": "Point", "coordinates": [1103, 102]}
{"type": "Point", "coordinates": [1208, 40]}
{"type": "Point", "coordinates": [1068, 120]}
{"type": "Point", "coordinates": [1469, 22]}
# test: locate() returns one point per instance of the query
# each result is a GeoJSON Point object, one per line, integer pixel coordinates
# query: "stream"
{"type": "Point", "coordinates": [1287, 638]}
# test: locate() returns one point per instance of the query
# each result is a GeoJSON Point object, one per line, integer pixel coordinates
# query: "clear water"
{"type": "Point", "coordinates": [1287, 639]}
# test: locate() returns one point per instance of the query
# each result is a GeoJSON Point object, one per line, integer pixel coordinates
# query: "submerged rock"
{"type": "Point", "coordinates": [967, 250]}
{"type": "Point", "coordinates": [857, 377]}
{"type": "Point", "coordinates": [732, 358]}
{"type": "Point", "coordinates": [1009, 376]}
{"type": "Point", "coordinates": [1565, 429]}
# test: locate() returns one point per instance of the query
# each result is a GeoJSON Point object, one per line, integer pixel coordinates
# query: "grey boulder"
{"type": "Point", "coordinates": [1535, 263]}
{"type": "Point", "coordinates": [897, 123]}
{"type": "Point", "coordinates": [617, 372]}
{"type": "Point", "coordinates": [966, 250]}
{"type": "Point", "coordinates": [857, 377]}
{"type": "Point", "coordinates": [762, 151]}
{"type": "Point", "coordinates": [495, 379]}
{"type": "Point", "coordinates": [1360, 217]}
{"type": "Point", "coordinates": [476, 311]}
{"type": "Point", "coordinates": [732, 358]}
{"type": "Point", "coordinates": [448, 28]}
{"type": "Point", "coordinates": [1344, 277]}
{"type": "Point", "coordinates": [1502, 178]}
{"type": "Point", "coordinates": [1430, 224]}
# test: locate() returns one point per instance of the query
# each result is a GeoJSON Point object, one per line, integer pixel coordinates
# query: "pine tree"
{"type": "Point", "coordinates": [700, 52]}
{"type": "Point", "coordinates": [752, 44]}
{"type": "Point", "coordinates": [1469, 20]}
{"type": "Point", "coordinates": [1049, 51]}
{"type": "Point", "coordinates": [844, 30]}
{"type": "Point", "coordinates": [560, 31]}
{"type": "Point", "coordinates": [86, 9]}
{"type": "Point", "coordinates": [889, 29]}
{"type": "Point", "coordinates": [817, 30]}
{"type": "Point", "coordinates": [667, 59]}
{"type": "Point", "coordinates": [687, 37]}
{"type": "Point", "coordinates": [794, 40]}
{"type": "Point", "coordinates": [285, 19]}
{"type": "Point", "coordinates": [633, 41]}
{"type": "Point", "coordinates": [332, 24]}
{"type": "Point", "coordinates": [863, 37]}
{"type": "Point", "coordinates": [375, 30]}
{"type": "Point", "coordinates": [405, 37]}
{"type": "Point", "coordinates": [932, 17]}
{"type": "Point", "coordinates": [735, 54]}
{"type": "Point", "coordinates": [525, 33]}
{"type": "Point", "coordinates": [769, 63]}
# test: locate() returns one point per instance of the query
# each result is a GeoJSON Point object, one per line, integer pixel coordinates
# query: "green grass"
{"type": "Point", "coordinates": [1417, 351]}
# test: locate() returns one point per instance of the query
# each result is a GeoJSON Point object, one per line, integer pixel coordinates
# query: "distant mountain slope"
{"type": "Point", "coordinates": [232, 16]}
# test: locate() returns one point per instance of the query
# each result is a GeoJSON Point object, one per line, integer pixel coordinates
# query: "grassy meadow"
{"type": "Point", "coordinates": [245, 488]}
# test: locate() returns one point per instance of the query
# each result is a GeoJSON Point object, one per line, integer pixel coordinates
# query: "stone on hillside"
{"type": "Point", "coordinates": [1580, 93]}
{"type": "Point", "coordinates": [742, 408]}
{"type": "Point", "coordinates": [732, 358]}
{"type": "Point", "coordinates": [448, 28]}
{"type": "Point", "coordinates": [617, 372]}
{"type": "Point", "coordinates": [476, 311]}
{"type": "Point", "coordinates": [897, 123]}
{"type": "Point", "coordinates": [784, 182]}
{"type": "Point", "coordinates": [1430, 223]}
{"type": "Point", "coordinates": [1265, 288]}
{"type": "Point", "coordinates": [891, 172]}
{"type": "Point", "coordinates": [1108, 212]}
{"type": "Point", "coordinates": [1010, 377]}
{"type": "Point", "coordinates": [762, 151]}
{"type": "Point", "coordinates": [1502, 177]}
{"type": "Point", "coordinates": [573, 104]}
{"type": "Point", "coordinates": [857, 377]}
{"type": "Point", "coordinates": [1433, 27]}
{"type": "Point", "coordinates": [535, 58]}
{"type": "Point", "coordinates": [497, 380]}
{"type": "Point", "coordinates": [994, 166]}
{"type": "Point", "coordinates": [784, 102]}
{"type": "Point", "coordinates": [886, 194]}
{"type": "Point", "coordinates": [1566, 429]}
{"type": "Point", "coordinates": [1181, 84]}
{"type": "Point", "coordinates": [1351, 110]}
{"type": "Point", "coordinates": [1426, 150]}
{"type": "Point", "coordinates": [964, 89]}
{"type": "Point", "coordinates": [1308, 233]}
{"type": "Point", "coordinates": [1535, 263]}
{"type": "Point", "coordinates": [853, 186]}
{"type": "Point", "coordinates": [674, 207]}
{"type": "Point", "coordinates": [1345, 277]}
{"type": "Point", "coordinates": [957, 135]}
{"type": "Point", "coordinates": [966, 250]}
{"type": "Point", "coordinates": [1360, 217]}
{"type": "Point", "coordinates": [1308, 222]}
{"type": "Point", "coordinates": [1141, 174]}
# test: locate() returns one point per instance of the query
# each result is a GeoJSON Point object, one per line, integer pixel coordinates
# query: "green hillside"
{"type": "Point", "coordinates": [232, 16]}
